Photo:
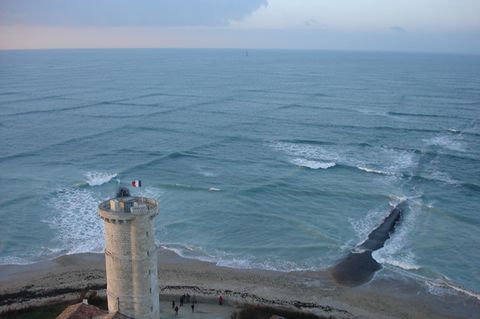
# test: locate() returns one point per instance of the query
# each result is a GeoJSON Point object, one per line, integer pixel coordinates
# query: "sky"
{"type": "Point", "coordinates": [373, 25]}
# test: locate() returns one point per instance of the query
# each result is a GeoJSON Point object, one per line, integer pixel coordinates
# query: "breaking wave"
{"type": "Point", "coordinates": [376, 159]}
{"type": "Point", "coordinates": [99, 178]}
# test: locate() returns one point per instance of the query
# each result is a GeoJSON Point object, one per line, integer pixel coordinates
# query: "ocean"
{"type": "Point", "coordinates": [270, 159]}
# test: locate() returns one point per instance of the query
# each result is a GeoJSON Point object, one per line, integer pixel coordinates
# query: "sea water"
{"type": "Point", "coordinates": [268, 159]}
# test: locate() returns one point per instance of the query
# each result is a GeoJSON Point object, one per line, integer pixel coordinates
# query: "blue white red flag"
{"type": "Point", "coordinates": [137, 183]}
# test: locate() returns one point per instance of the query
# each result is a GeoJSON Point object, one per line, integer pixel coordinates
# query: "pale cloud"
{"type": "Point", "coordinates": [367, 15]}
{"type": "Point", "coordinates": [311, 22]}
{"type": "Point", "coordinates": [126, 12]}
{"type": "Point", "coordinates": [398, 29]}
{"type": "Point", "coordinates": [432, 25]}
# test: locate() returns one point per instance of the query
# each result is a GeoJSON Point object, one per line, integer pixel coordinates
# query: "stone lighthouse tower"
{"type": "Point", "coordinates": [131, 256]}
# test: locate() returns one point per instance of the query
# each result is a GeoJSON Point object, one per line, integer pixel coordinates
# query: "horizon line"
{"type": "Point", "coordinates": [244, 49]}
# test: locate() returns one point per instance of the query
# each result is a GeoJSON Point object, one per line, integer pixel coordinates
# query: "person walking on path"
{"type": "Point", "coordinates": [193, 308]}
{"type": "Point", "coordinates": [176, 310]}
{"type": "Point", "coordinates": [173, 304]}
{"type": "Point", "coordinates": [220, 300]}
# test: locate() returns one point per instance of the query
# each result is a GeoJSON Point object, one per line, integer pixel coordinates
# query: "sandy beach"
{"type": "Point", "coordinates": [388, 295]}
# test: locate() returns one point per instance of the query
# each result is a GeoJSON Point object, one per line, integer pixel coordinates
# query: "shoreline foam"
{"type": "Point", "coordinates": [386, 295]}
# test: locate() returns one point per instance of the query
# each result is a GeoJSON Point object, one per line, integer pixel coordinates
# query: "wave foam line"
{"type": "Point", "coordinates": [442, 287]}
{"type": "Point", "coordinates": [393, 252]}
{"type": "Point", "coordinates": [250, 263]}
{"type": "Point", "coordinates": [188, 252]}
{"type": "Point", "coordinates": [380, 160]}
{"type": "Point", "coordinates": [464, 291]}
{"type": "Point", "coordinates": [406, 262]}
{"type": "Point", "coordinates": [312, 164]}
{"type": "Point", "coordinates": [364, 226]}
{"type": "Point", "coordinates": [149, 191]}
{"type": "Point", "coordinates": [223, 260]}
{"type": "Point", "coordinates": [75, 221]}
{"type": "Point", "coordinates": [448, 142]}
{"type": "Point", "coordinates": [307, 151]}
{"type": "Point", "coordinates": [374, 171]}
{"type": "Point", "coordinates": [29, 258]}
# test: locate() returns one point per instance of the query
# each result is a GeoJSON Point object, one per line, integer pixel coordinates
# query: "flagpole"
{"type": "Point", "coordinates": [137, 183]}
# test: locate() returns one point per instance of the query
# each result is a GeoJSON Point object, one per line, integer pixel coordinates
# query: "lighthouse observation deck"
{"type": "Point", "coordinates": [126, 208]}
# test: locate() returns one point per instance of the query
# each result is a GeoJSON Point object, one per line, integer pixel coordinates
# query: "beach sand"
{"type": "Point", "coordinates": [387, 295]}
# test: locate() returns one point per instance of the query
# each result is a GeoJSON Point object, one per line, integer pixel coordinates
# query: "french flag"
{"type": "Point", "coordinates": [137, 183]}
